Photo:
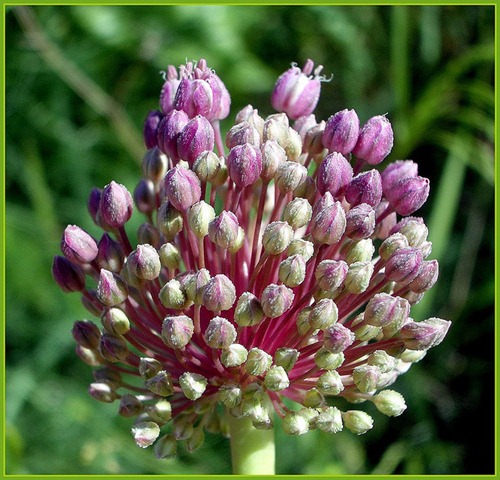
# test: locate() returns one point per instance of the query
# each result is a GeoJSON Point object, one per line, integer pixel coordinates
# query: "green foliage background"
{"type": "Point", "coordinates": [79, 82]}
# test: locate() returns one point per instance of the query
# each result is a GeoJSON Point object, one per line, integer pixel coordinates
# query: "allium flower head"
{"type": "Point", "coordinates": [265, 278]}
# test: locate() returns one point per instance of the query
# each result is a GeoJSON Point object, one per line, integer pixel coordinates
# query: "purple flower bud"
{"type": "Point", "coordinates": [408, 195]}
{"type": "Point", "coordinates": [328, 226]}
{"type": "Point", "coordinates": [276, 300]}
{"type": "Point", "coordinates": [244, 163]}
{"type": "Point", "coordinates": [86, 334]}
{"type": "Point", "coordinates": [375, 140]}
{"type": "Point", "coordinates": [241, 133]}
{"type": "Point", "coordinates": [169, 130]}
{"type": "Point", "coordinates": [111, 289]}
{"type": "Point", "coordinates": [93, 204]}
{"type": "Point", "coordinates": [115, 205]}
{"type": "Point", "coordinates": [223, 229]}
{"type": "Point", "coordinates": [296, 93]}
{"type": "Point", "coordinates": [337, 338]}
{"type": "Point", "coordinates": [150, 130]}
{"type": "Point", "coordinates": [70, 277]}
{"type": "Point", "coordinates": [182, 188]}
{"type": "Point", "coordinates": [365, 187]}
{"type": "Point", "coordinates": [144, 262]}
{"type": "Point", "coordinates": [113, 347]}
{"type": "Point", "coordinates": [341, 132]}
{"type": "Point", "coordinates": [330, 274]}
{"type": "Point", "coordinates": [144, 196]}
{"type": "Point", "coordinates": [383, 228]}
{"type": "Point", "coordinates": [384, 309]}
{"type": "Point", "coordinates": [169, 89]}
{"type": "Point", "coordinates": [177, 331]}
{"type": "Point", "coordinates": [77, 245]}
{"type": "Point", "coordinates": [403, 265]}
{"type": "Point", "coordinates": [360, 222]}
{"type": "Point", "coordinates": [425, 334]}
{"type": "Point", "coordinates": [426, 278]}
{"type": "Point", "coordinates": [220, 333]}
{"type": "Point", "coordinates": [219, 294]}
{"type": "Point", "coordinates": [334, 175]}
{"type": "Point", "coordinates": [196, 137]}
{"type": "Point", "coordinates": [396, 171]}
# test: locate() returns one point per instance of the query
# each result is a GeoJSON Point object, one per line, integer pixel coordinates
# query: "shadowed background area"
{"type": "Point", "coordinates": [79, 83]}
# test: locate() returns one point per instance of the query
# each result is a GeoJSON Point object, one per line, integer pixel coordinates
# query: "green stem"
{"type": "Point", "coordinates": [252, 450]}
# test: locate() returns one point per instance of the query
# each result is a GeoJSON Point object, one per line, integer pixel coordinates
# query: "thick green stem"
{"type": "Point", "coordinates": [252, 450]}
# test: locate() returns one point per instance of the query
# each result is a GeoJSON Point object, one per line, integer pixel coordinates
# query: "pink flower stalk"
{"type": "Point", "coordinates": [257, 276]}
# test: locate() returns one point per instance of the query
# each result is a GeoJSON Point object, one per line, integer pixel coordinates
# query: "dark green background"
{"type": "Point", "coordinates": [79, 82]}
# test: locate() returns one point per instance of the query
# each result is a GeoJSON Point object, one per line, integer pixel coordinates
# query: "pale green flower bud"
{"type": "Point", "coordinates": [239, 242]}
{"type": "Point", "coordinates": [276, 238]}
{"type": "Point", "coordinates": [165, 447]}
{"type": "Point", "coordinates": [293, 146]}
{"type": "Point", "coordinates": [276, 300]}
{"type": "Point", "coordinates": [196, 440]}
{"type": "Point", "coordinates": [292, 270]}
{"type": "Point", "coordinates": [130, 405]}
{"type": "Point", "coordinates": [161, 384]}
{"type": "Point", "coordinates": [358, 277]}
{"type": "Point", "coordinates": [365, 377]}
{"type": "Point", "coordinates": [195, 284]}
{"type": "Point", "coordinates": [412, 356]}
{"type": "Point", "coordinates": [89, 356]}
{"type": "Point", "coordinates": [392, 244]}
{"type": "Point", "coordinates": [170, 256]}
{"type": "Point", "coordinates": [286, 357]}
{"type": "Point", "coordinates": [145, 433]}
{"type": "Point", "coordinates": [183, 427]}
{"type": "Point", "coordinates": [144, 262]}
{"type": "Point", "coordinates": [230, 395]}
{"type": "Point", "coordinates": [357, 422]}
{"type": "Point", "coordinates": [273, 155]}
{"type": "Point", "coordinates": [261, 420]}
{"type": "Point", "coordinates": [199, 216]}
{"type": "Point", "coordinates": [302, 321]}
{"type": "Point", "coordinates": [330, 420]}
{"type": "Point", "coordinates": [324, 314]}
{"type": "Point", "coordinates": [276, 379]}
{"type": "Point", "coordinates": [297, 213]}
{"type": "Point", "coordinates": [390, 403]}
{"type": "Point", "coordinates": [382, 360]}
{"type": "Point", "coordinates": [310, 414]}
{"type": "Point", "coordinates": [149, 367]}
{"type": "Point", "coordinates": [193, 385]}
{"type": "Point", "coordinates": [169, 220]}
{"type": "Point", "coordinates": [327, 360]}
{"type": "Point", "coordinates": [220, 333]}
{"type": "Point", "coordinates": [258, 362]}
{"type": "Point", "coordinates": [416, 233]}
{"type": "Point", "coordinates": [177, 331]}
{"type": "Point", "coordinates": [301, 247]}
{"type": "Point", "coordinates": [160, 412]}
{"type": "Point", "coordinates": [115, 321]}
{"type": "Point", "coordinates": [248, 310]}
{"type": "Point", "coordinates": [207, 166]}
{"type": "Point", "coordinates": [295, 424]}
{"type": "Point", "coordinates": [360, 251]}
{"type": "Point", "coordinates": [313, 398]}
{"type": "Point", "coordinates": [330, 383]}
{"type": "Point", "coordinates": [234, 355]}
{"type": "Point", "coordinates": [290, 176]}
{"type": "Point", "coordinates": [276, 129]}
{"type": "Point", "coordinates": [173, 296]}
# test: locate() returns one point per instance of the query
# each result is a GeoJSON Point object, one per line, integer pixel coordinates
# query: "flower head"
{"type": "Point", "coordinates": [275, 270]}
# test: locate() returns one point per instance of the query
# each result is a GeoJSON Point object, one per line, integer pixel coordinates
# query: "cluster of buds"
{"type": "Point", "coordinates": [275, 268]}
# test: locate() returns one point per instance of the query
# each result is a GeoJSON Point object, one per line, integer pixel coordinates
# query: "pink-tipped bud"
{"type": "Point", "coordinates": [396, 171]}
{"type": "Point", "coordinates": [425, 334]}
{"type": "Point", "coordinates": [219, 294]}
{"type": "Point", "coordinates": [403, 266]}
{"type": "Point", "coordinates": [220, 333]}
{"type": "Point", "coordinates": [375, 140]}
{"type": "Point", "coordinates": [150, 130]}
{"type": "Point", "coordinates": [341, 132]}
{"type": "Point", "coordinates": [330, 274]}
{"type": "Point", "coordinates": [334, 175]}
{"type": "Point", "coordinates": [296, 93]}
{"type": "Point", "coordinates": [196, 137]}
{"type": "Point", "coordinates": [223, 229]}
{"type": "Point", "coordinates": [384, 309]}
{"type": "Point", "coordinates": [70, 277]}
{"type": "Point", "coordinates": [426, 278]}
{"type": "Point", "coordinates": [77, 245]}
{"type": "Point", "coordinates": [169, 131]}
{"type": "Point", "coordinates": [360, 222]}
{"type": "Point", "coordinates": [241, 133]}
{"type": "Point", "coordinates": [244, 163]}
{"type": "Point", "coordinates": [111, 289]}
{"type": "Point", "coordinates": [328, 225]}
{"type": "Point", "coordinates": [276, 300]}
{"type": "Point", "coordinates": [408, 195]}
{"type": "Point", "coordinates": [337, 338]}
{"type": "Point", "coordinates": [182, 188]}
{"type": "Point", "coordinates": [115, 205]}
{"type": "Point", "coordinates": [169, 89]}
{"type": "Point", "coordinates": [365, 187]}
{"type": "Point", "coordinates": [177, 331]}
{"type": "Point", "coordinates": [144, 262]}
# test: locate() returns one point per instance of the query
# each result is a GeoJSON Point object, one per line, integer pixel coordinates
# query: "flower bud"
{"type": "Point", "coordinates": [330, 383]}
{"type": "Point", "coordinates": [382, 360]}
{"type": "Point", "coordinates": [169, 220]}
{"type": "Point", "coordinates": [337, 338]}
{"type": "Point", "coordinates": [160, 384]}
{"type": "Point", "coordinates": [425, 334]}
{"type": "Point", "coordinates": [234, 355]}
{"type": "Point", "coordinates": [177, 331]}
{"type": "Point", "coordinates": [193, 385]}
{"type": "Point", "coordinates": [408, 195]}
{"type": "Point", "coordinates": [230, 395]}
{"type": "Point", "coordinates": [360, 222]}
{"type": "Point", "coordinates": [207, 165]}
{"type": "Point", "coordinates": [304, 123]}
{"type": "Point", "coordinates": [293, 145]}
{"type": "Point", "coordinates": [292, 270]}
{"type": "Point", "coordinates": [70, 277]}
{"type": "Point", "coordinates": [358, 277]}
{"type": "Point", "coordinates": [396, 171]}
{"type": "Point", "coordinates": [295, 424]}
{"type": "Point", "coordinates": [301, 247]}
{"type": "Point", "coordinates": [145, 433]}
{"type": "Point", "coordinates": [110, 254]}
{"type": "Point", "coordinates": [276, 379]}
{"type": "Point", "coordinates": [244, 163]}
{"type": "Point", "coordinates": [77, 245]}
{"type": "Point", "coordinates": [391, 245]}
{"type": "Point", "coordinates": [328, 225]}
{"type": "Point", "coordinates": [148, 367]}
{"type": "Point", "coordinates": [115, 205]}
{"type": "Point", "coordinates": [375, 140]}
{"type": "Point", "coordinates": [150, 129]}
{"type": "Point", "coordinates": [330, 420]}
{"type": "Point", "coordinates": [414, 229]}
{"type": "Point", "coordinates": [182, 188]}
{"type": "Point", "coordinates": [144, 196]}
{"type": "Point", "coordinates": [169, 89]}
{"type": "Point", "coordinates": [154, 165]}
{"type": "Point", "coordinates": [312, 139]}
{"type": "Point", "coordinates": [426, 278]}
{"type": "Point", "coordinates": [276, 238]}
{"type": "Point", "coordinates": [276, 300]}
{"type": "Point", "coordinates": [357, 422]}
{"type": "Point", "coordinates": [286, 357]}
{"type": "Point", "coordinates": [248, 310]}
{"type": "Point", "coordinates": [289, 176]}
{"type": "Point", "coordinates": [111, 289]}
{"type": "Point", "coordinates": [148, 233]}
{"type": "Point", "coordinates": [86, 334]}
{"type": "Point", "coordinates": [170, 256]}
{"type": "Point", "coordinates": [250, 115]}
{"type": "Point", "coordinates": [296, 92]}
{"type": "Point", "coordinates": [334, 174]}
{"type": "Point", "coordinates": [323, 314]}
{"type": "Point", "coordinates": [302, 321]}
{"type": "Point", "coordinates": [113, 347]}
{"type": "Point", "coordinates": [360, 251]}
{"type": "Point", "coordinates": [327, 360]}
{"type": "Point", "coordinates": [220, 333]}
{"type": "Point", "coordinates": [365, 187]}
{"type": "Point", "coordinates": [366, 377]}
{"type": "Point", "coordinates": [341, 132]}
{"type": "Point", "coordinates": [196, 137]}
{"type": "Point", "coordinates": [173, 296]}
{"type": "Point", "coordinates": [297, 213]}
{"type": "Point", "coordinates": [258, 362]}
{"type": "Point", "coordinates": [165, 447]}
{"type": "Point", "coordinates": [403, 265]}
{"type": "Point", "coordinates": [144, 262]}
{"type": "Point", "coordinates": [273, 155]}
{"type": "Point", "coordinates": [390, 403]}
{"type": "Point", "coordinates": [199, 216]}
{"type": "Point", "coordinates": [383, 309]}
{"type": "Point", "coordinates": [90, 357]}
{"type": "Point", "coordinates": [219, 294]}
{"type": "Point", "coordinates": [223, 229]}
{"type": "Point", "coordinates": [330, 274]}
{"type": "Point", "coordinates": [194, 283]}
{"type": "Point", "coordinates": [160, 411]}
{"type": "Point", "coordinates": [242, 133]}
{"type": "Point", "coordinates": [115, 321]}
{"type": "Point", "coordinates": [169, 131]}
{"type": "Point", "coordinates": [196, 440]}
{"type": "Point", "coordinates": [130, 406]}
{"type": "Point", "coordinates": [102, 392]}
